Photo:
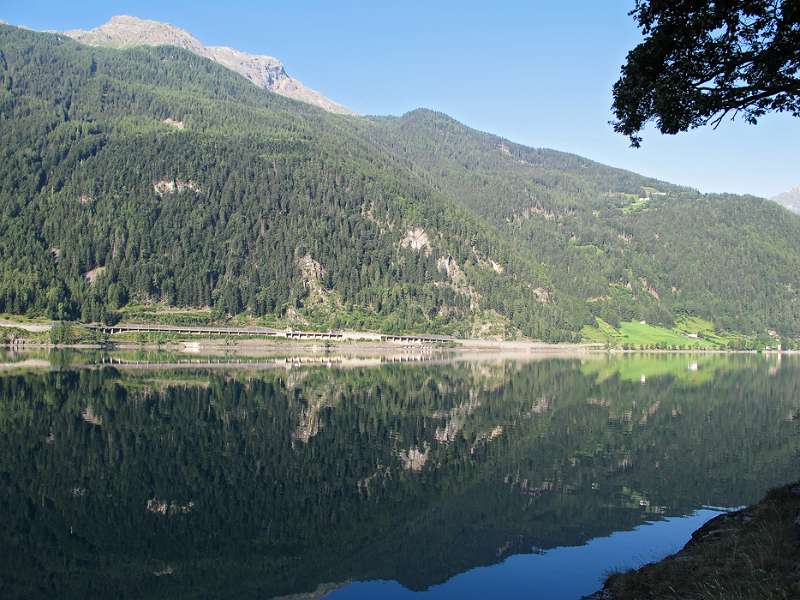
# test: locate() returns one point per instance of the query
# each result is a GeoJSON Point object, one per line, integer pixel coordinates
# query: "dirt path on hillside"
{"type": "Point", "coordinates": [32, 327]}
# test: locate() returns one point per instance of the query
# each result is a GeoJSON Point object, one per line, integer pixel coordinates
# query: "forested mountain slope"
{"type": "Point", "coordinates": [629, 246]}
{"type": "Point", "coordinates": [154, 176]}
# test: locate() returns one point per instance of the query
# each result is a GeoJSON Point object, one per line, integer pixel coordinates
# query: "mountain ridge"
{"type": "Point", "coordinates": [123, 31]}
{"type": "Point", "coordinates": [159, 178]}
{"type": "Point", "coordinates": [789, 199]}
{"type": "Point", "coordinates": [608, 235]}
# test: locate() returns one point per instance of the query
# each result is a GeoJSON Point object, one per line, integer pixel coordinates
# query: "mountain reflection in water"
{"type": "Point", "coordinates": [451, 477]}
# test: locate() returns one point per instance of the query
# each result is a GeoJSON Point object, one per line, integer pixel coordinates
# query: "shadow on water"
{"type": "Point", "coordinates": [443, 477]}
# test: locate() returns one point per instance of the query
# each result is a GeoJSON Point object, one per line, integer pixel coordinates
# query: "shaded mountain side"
{"type": "Point", "coordinates": [741, 554]}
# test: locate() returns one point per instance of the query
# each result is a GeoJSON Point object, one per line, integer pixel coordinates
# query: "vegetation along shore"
{"type": "Point", "coordinates": [748, 554]}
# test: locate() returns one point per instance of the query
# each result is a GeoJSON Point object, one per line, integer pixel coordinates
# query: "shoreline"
{"type": "Point", "coordinates": [214, 339]}
{"type": "Point", "coordinates": [260, 354]}
{"type": "Point", "coordinates": [455, 345]}
{"type": "Point", "coordinates": [753, 552]}
{"type": "Point", "coordinates": [256, 348]}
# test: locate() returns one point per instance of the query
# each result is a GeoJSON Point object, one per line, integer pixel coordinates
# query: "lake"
{"type": "Point", "coordinates": [157, 476]}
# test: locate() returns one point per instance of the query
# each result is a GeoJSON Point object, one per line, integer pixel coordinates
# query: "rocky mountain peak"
{"type": "Point", "coordinates": [123, 31]}
{"type": "Point", "coordinates": [790, 199]}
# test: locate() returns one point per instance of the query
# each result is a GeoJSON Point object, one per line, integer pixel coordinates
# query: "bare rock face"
{"type": "Point", "coordinates": [123, 31]}
{"type": "Point", "coordinates": [174, 186]}
{"type": "Point", "coordinates": [790, 199]}
{"type": "Point", "coordinates": [447, 264]}
{"type": "Point", "coordinates": [264, 71]}
{"type": "Point", "coordinates": [416, 239]}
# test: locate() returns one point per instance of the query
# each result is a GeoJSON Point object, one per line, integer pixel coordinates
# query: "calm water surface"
{"type": "Point", "coordinates": [509, 479]}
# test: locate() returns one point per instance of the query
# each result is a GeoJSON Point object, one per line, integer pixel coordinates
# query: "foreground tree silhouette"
{"type": "Point", "coordinates": [704, 59]}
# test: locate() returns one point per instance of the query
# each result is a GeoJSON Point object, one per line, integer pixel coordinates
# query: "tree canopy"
{"type": "Point", "coordinates": [702, 60]}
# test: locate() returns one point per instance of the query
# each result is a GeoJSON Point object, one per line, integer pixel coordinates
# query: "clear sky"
{"type": "Point", "coordinates": [537, 72]}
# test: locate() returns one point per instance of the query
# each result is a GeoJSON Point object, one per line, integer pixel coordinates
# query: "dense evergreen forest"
{"type": "Point", "coordinates": [151, 176]}
{"type": "Point", "coordinates": [626, 246]}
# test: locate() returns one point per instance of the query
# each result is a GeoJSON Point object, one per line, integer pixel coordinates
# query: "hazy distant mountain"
{"type": "Point", "coordinates": [790, 199]}
{"type": "Point", "coordinates": [265, 71]}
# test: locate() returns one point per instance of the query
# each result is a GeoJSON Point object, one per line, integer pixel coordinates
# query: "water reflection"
{"type": "Point", "coordinates": [189, 480]}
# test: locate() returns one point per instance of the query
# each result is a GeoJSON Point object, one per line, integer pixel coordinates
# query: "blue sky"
{"type": "Point", "coordinates": [537, 72]}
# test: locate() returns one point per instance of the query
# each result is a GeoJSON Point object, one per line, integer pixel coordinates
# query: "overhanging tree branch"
{"type": "Point", "coordinates": [703, 59]}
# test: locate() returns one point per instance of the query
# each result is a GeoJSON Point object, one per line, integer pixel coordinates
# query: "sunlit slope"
{"type": "Point", "coordinates": [630, 247]}
{"type": "Point", "coordinates": [146, 179]}
{"type": "Point", "coordinates": [153, 176]}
